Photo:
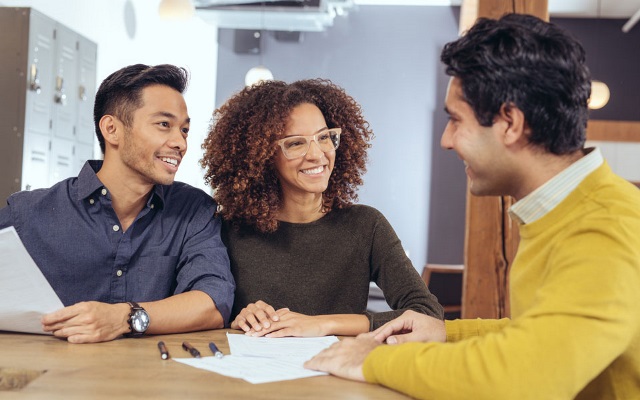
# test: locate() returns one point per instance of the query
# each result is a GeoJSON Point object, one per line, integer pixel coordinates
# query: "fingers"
{"type": "Point", "coordinates": [290, 324]}
{"type": "Point", "coordinates": [60, 315]}
{"type": "Point", "coordinates": [256, 317]}
{"type": "Point", "coordinates": [395, 326]}
{"type": "Point", "coordinates": [343, 359]}
{"type": "Point", "coordinates": [87, 322]}
{"type": "Point", "coordinates": [285, 332]}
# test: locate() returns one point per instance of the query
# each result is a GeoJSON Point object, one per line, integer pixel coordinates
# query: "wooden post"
{"type": "Point", "coordinates": [491, 238]}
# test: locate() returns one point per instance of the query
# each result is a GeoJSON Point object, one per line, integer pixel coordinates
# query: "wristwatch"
{"type": "Point", "coordinates": [138, 320]}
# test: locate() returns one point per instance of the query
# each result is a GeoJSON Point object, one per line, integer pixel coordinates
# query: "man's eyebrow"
{"type": "Point", "coordinates": [164, 114]}
{"type": "Point", "coordinates": [169, 115]}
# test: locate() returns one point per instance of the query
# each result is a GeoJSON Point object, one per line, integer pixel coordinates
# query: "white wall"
{"type": "Point", "coordinates": [130, 32]}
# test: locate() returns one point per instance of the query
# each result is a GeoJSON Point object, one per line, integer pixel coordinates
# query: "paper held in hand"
{"type": "Point", "coordinates": [25, 294]}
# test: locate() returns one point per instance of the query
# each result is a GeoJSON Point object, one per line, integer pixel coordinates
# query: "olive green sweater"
{"type": "Point", "coordinates": [324, 267]}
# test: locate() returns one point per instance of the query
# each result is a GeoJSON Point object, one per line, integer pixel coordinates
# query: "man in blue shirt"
{"type": "Point", "coordinates": [128, 250]}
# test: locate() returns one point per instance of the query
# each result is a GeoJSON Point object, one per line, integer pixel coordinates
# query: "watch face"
{"type": "Point", "coordinates": [140, 321]}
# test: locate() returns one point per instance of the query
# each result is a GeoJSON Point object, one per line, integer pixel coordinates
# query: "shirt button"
{"type": "Point", "coordinates": [119, 273]}
{"type": "Point", "coordinates": [116, 228]}
{"type": "Point", "coordinates": [91, 201]}
{"type": "Point", "coordinates": [104, 191]}
{"type": "Point", "coordinates": [152, 206]}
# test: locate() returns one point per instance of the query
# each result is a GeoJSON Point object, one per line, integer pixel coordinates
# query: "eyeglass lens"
{"type": "Point", "coordinates": [297, 146]}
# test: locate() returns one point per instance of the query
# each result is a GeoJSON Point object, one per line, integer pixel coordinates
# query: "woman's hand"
{"type": "Point", "coordinates": [292, 323]}
{"type": "Point", "coordinates": [256, 316]}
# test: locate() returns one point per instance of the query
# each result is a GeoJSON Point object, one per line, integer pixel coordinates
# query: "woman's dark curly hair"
{"type": "Point", "coordinates": [240, 149]}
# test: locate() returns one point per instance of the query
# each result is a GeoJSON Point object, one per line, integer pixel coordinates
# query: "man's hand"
{"type": "Point", "coordinates": [410, 327]}
{"type": "Point", "coordinates": [88, 322]}
{"type": "Point", "coordinates": [345, 358]}
{"type": "Point", "coordinates": [256, 316]}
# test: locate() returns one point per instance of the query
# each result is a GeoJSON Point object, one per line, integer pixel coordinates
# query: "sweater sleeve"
{"type": "Point", "coordinates": [460, 329]}
{"type": "Point", "coordinates": [393, 272]}
{"type": "Point", "coordinates": [583, 319]}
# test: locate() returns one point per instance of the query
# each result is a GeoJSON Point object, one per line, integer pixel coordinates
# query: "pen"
{"type": "Point", "coordinates": [187, 347]}
{"type": "Point", "coordinates": [164, 354]}
{"type": "Point", "coordinates": [214, 349]}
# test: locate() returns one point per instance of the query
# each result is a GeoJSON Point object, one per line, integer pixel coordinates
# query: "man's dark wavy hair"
{"type": "Point", "coordinates": [534, 65]}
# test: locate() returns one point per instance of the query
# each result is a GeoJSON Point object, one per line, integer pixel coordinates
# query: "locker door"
{"type": "Point", "coordinates": [66, 83]}
{"type": "Point", "coordinates": [40, 82]}
{"type": "Point", "coordinates": [87, 53]}
{"type": "Point", "coordinates": [62, 165]}
{"type": "Point", "coordinates": [35, 172]}
{"type": "Point", "coordinates": [38, 111]}
{"type": "Point", "coordinates": [83, 152]}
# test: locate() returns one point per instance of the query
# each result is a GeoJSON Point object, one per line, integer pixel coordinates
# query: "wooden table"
{"type": "Point", "coordinates": [132, 369]}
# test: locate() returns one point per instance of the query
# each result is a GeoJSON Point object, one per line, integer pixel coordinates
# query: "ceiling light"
{"type": "Point", "coordinates": [599, 95]}
{"type": "Point", "coordinates": [176, 9]}
{"type": "Point", "coordinates": [257, 74]}
{"type": "Point", "coordinates": [631, 22]}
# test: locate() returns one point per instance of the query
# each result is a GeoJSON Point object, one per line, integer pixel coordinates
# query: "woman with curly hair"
{"type": "Point", "coordinates": [285, 161]}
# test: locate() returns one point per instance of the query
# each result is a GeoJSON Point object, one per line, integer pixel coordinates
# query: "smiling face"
{"type": "Point", "coordinates": [153, 147]}
{"type": "Point", "coordinates": [481, 148]}
{"type": "Point", "coordinates": [309, 174]}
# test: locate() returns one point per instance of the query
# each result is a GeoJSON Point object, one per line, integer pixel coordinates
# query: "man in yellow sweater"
{"type": "Point", "coordinates": [517, 102]}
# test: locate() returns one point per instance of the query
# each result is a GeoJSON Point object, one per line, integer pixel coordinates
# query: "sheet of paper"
{"type": "Point", "coordinates": [262, 360]}
{"type": "Point", "coordinates": [251, 369]}
{"type": "Point", "coordinates": [25, 294]}
{"type": "Point", "coordinates": [293, 349]}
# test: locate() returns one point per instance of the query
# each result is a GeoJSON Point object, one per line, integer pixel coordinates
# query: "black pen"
{"type": "Point", "coordinates": [163, 350]}
{"type": "Point", "coordinates": [214, 349]}
{"type": "Point", "coordinates": [187, 347]}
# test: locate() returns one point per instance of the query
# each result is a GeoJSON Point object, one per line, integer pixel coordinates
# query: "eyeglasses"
{"type": "Point", "coordinates": [298, 146]}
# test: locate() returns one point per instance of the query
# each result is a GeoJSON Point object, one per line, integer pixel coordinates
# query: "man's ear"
{"type": "Point", "coordinates": [517, 127]}
{"type": "Point", "coordinates": [110, 127]}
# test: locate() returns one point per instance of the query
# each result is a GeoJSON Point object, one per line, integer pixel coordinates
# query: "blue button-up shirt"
{"type": "Point", "coordinates": [74, 236]}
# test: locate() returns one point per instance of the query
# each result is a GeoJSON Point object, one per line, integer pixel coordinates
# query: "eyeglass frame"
{"type": "Point", "coordinates": [280, 142]}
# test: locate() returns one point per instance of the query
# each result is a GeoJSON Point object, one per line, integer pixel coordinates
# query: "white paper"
{"type": "Point", "coordinates": [262, 360]}
{"type": "Point", "coordinates": [25, 294]}
{"type": "Point", "coordinates": [295, 349]}
{"type": "Point", "coordinates": [251, 369]}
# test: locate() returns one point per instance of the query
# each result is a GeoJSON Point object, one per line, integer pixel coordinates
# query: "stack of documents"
{"type": "Point", "coordinates": [25, 294]}
{"type": "Point", "coordinates": [262, 360]}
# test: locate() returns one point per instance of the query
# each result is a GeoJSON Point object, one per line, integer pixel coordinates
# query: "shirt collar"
{"type": "Point", "coordinates": [545, 198]}
{"type": "Point", "coordinates": [89, 183]}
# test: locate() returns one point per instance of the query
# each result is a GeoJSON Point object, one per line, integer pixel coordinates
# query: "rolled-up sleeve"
{"type": "Point", "coordinates": [204, 262]}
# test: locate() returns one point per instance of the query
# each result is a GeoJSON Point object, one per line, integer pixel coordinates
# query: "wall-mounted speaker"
{"type": "Point", "coordinates": [246, 41]}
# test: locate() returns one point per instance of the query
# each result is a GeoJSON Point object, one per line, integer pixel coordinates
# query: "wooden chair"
{"type": "Point", "coordinates": [445, 281]}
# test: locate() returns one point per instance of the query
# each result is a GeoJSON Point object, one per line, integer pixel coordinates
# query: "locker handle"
{"type": "Point", "coordinates": [60, 97]}
{"type": "Point", "coordinates": [83, 93]}
{"type": "Point", "coordinates": [34, 82]}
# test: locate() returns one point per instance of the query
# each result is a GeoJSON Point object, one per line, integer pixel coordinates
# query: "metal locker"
{"type": "Point", "coordinates": [85, 129]}
{"type": "Point", "coordinates": [48, 84]}
{"type": "Point", "coordinates": [66, 70]}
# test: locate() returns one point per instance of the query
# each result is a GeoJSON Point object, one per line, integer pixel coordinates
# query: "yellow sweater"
{"type": "Point", "coordinates": [575, 303]}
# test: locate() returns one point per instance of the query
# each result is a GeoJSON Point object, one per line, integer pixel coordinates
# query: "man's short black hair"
{"type": "Point", "coordinates": [120, 94]}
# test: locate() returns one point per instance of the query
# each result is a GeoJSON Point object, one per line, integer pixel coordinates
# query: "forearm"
{"type": "Point", "coordinates": [184, 312]}
{"type": "Point", "coordinates": [344, 324]}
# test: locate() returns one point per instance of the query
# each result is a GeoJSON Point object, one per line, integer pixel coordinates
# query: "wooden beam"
{"type": "Point", "coordinates": [491, 238]}
{"type": "Point", "coordinates": [613, 131]}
